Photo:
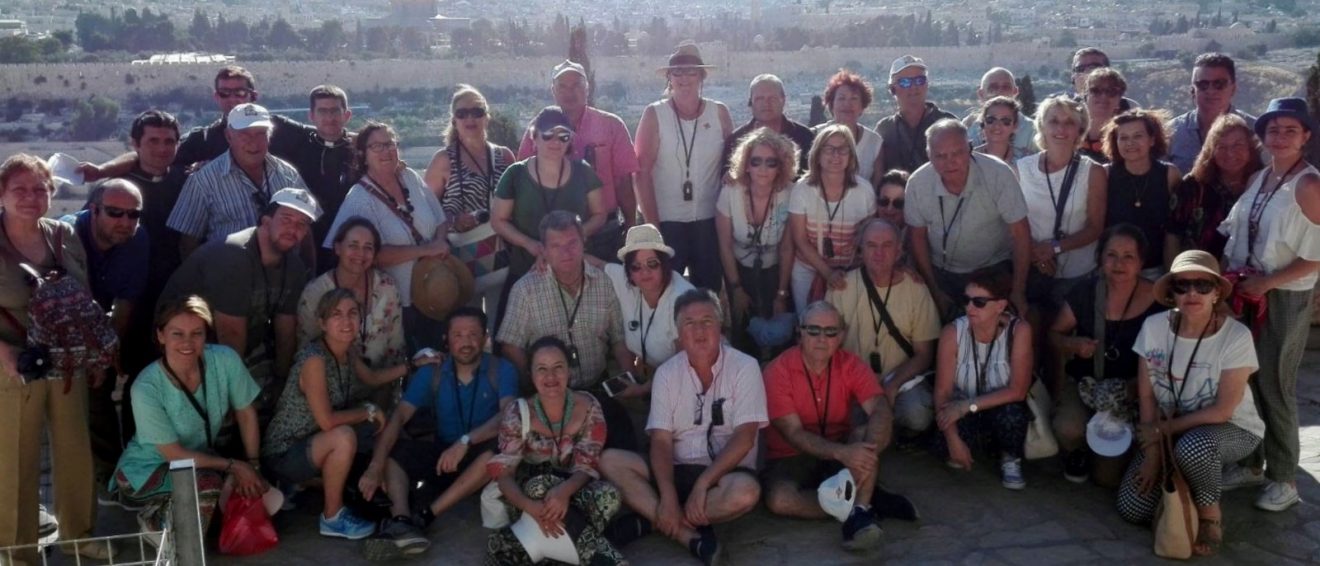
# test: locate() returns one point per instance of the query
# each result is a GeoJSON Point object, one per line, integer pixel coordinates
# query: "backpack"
{"type": "Point", "coordinates": [66, 322]}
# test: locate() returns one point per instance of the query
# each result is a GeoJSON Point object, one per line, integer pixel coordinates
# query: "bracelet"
{"type": "Point", "coordinates": [372, 410]}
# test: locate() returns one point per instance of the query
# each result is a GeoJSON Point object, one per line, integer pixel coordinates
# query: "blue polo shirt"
{"type": "Point", "coordinates": [460, 408]}
{"type": "Point", "coordinates": [117, 273]}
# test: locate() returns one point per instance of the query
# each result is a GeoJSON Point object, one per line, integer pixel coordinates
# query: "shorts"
{"type": "Point", "coordinates": [295, 465]}
{"type": "Point", "coordinates": [419, 457]}
{"type": "Point", "coordinates": [685, 477]}
{"type": "Point", "coordinates": [802, 470]}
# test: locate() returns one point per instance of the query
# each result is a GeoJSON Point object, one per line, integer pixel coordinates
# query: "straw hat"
{"type": "Point", "coordinates": [687, 56]}
{"type": "Point", "coordinates": [1191, 261]}
{"type": "Point", "coordinates": [441, 285]}
{"type": "Point", "coordinates": [644, 237]}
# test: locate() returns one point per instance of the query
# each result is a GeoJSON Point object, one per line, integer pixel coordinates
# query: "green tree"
{"type": "Point", "coordinates": [504, 130]}
{"type": "Point", "coordinates": [94, 119]}
{"type": "Point", "coordinates": [1066, 39]}
{"type": "Point", "coordinates": [817, 115]}
{"type": "Point", "coordinates": [200, 30]}
{"type": "Point", "coordinates": [17, 49]}
{"type": "Point", "coordinates": [1026, 95]}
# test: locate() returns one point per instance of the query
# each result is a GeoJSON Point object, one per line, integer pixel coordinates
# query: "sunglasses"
{"type": "Point", "coordinates": [553, 135]}
{"type": "Point", "coordinates": [234, 92]}
{"type": "Point", "coordinates": [767, 162]}
{"type": "Point", "coordinates": [1101, 91]}
{"type": "Point", "coordinates": [650, 265]}
{"type": "Point", "coordinates": [909, 82]}
{"type": "Point", "coordinates": [991, 120]}
{"type": "Point", "coordinates": [814, 330]}
{"type": "Point", "coordinates": [884, 202]}
{"type": "Point", "coordinates": [378, 147]}
{"type": "Point", "coordinates": [978, 302]}
{"type": "Point", "coordinates": [1201, 286]}
{"type": "Point", "coordinates": [684, 72]}
{"type": "Point", "coordinates": [465, 113]}
{"type": "Point", "coordinates": [116, 212]}
{"type": "Point", "coordinates": [1217, 84]}
{"type": "Point", "coordinates": [1088, 67]}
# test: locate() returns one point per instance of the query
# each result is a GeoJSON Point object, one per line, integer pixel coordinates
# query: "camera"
{"type": "Point", "coordinates": [34, 363]}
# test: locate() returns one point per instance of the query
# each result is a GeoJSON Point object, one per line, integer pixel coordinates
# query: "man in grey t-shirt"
{"type": "Point", "coordinates": [966, 212]}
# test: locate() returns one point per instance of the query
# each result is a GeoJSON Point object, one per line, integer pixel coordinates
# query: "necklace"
{"type": "Point", "coordinates": [1111, 327]}
{"type": "Point", "coordinates": [556, 428]}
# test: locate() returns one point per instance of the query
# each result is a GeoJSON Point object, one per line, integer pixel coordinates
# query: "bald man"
{"type": "Point", "coordinates": [1000, 82]}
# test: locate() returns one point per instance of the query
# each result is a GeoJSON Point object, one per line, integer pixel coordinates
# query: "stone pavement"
{"type": "Point", "coordinates": [967, 518]}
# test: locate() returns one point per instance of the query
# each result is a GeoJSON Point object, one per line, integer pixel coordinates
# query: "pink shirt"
{"type": "Point", "coordinates": [676, 396]}
{"type": "Point", "coordinates": [790, 391]}
{"type": "Point", "coordinates": [611, 148]}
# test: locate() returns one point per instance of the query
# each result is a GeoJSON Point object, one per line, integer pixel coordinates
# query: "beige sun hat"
{"type": "Point", "coordinates": [644, 237]}
{"type": "Point", "coordinates": [1191, 261]}
{"type": "Point", "coordinates": [686, 56]}
{"type": "Point", "coordinates": [440, 286]}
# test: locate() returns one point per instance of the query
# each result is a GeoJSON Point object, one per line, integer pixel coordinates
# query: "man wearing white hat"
{"type": "Point", "coordinates": [252, 279]}
{"type": "Point", "coordinates": [904, 133]}
{"type": "Point", "coordinates": [602, 140]}
{"type": "Point", "coordinates": [229, 193]}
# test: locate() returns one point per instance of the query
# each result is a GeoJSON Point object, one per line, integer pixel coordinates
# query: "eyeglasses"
{"type": "Point", "coordinates": [767, 162]}
{"type": "Point", "coordinates": [1102, 91]}
{"type": "Point", "coordinates": [814, 330]}
{"type": "Point", "coordinates": [330, 112]}
{"type": "Point", "coordinates": [1217, 84]}
{"type": "Point", "coordinates": [1088, 67]}
{"type": "Point", "coordinates": [835, 150]}
{"type": "Point", "coordinates": [884, 202]}
{"type": "Point", "coordinates": [465, 113]}
{"type": "Point", "coordinates": [116, 212]}
{"type": "Point", "coordinates": [234, 92]}
{"type": "Point", "coordinates": [909, 82]}
{"type": "Point", "coordinates": [991, 120]}
{"type": "Point", "coordinates": [650, 265]}
{"type": "Point", "coordinates": [553, 135]}
{"type": "Point", "coordinates": [379, 147]}
{"type": "Point", "coordinates": [1201, 286]}
{"type": "Point", "coordinates": [978, 302]}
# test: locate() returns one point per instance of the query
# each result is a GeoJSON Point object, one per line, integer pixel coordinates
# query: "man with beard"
{"type": "Point", "coordinates": [466, 394]}
{"type": "Point", "coordinates": [252, 279]}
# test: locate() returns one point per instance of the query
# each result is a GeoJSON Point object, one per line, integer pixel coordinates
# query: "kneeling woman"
{"type": "Point", "coordinates": [315, 430]}
{"type": "Point", "coordinates": [983, 372]}
{"type": "Point", "coordinates": [551, 471]}
{"type": "Point", "coordinates": [1192, 384]}
{"type": "Point", "coordinates": [179, 404]}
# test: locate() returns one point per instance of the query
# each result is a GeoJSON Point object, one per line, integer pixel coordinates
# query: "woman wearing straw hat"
{"type": "Point", "coordinates": [1192, 386]}
{"type": "Point", "coordinates": [1273, 248]}
{"type": "Point", "coordinates": [679, 144]}
{"type": "Point", "coordinates": [647, 286]}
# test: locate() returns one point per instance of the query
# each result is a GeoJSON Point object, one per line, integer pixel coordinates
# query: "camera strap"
{"type": "Point", "coordinates": [881, 307]}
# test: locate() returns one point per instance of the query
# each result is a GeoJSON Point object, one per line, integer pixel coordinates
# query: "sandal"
{"type": "Point", "coordinates": [1208, 544]}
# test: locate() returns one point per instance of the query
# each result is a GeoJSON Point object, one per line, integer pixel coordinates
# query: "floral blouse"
{"type": "Point", "coordinates": [382, 334]}
{"type": "Point", "coordinates": [579, 452]}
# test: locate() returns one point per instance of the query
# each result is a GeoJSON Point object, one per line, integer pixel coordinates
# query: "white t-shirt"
{"type": "Point", "coordinates": [1228, 348]}
{"type": "Point", "coordinates": [1041, 214]}
{"type": "Point", "coordinates": [642, 323]}
{"type": "Point", "coordinates": [857, 205]}
{"type": "Point", "coordinates": [676, 394]}
{"type": "Point", "coordinates": [733, 204]}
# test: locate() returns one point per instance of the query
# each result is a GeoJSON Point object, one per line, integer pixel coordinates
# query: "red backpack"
{"type": "Point", "coordinates": [67, 325]}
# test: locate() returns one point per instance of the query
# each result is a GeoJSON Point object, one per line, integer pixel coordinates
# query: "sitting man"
{"type": "Point", "coordinates": [702, 453]}
{"type": "Point", "coordinates": [891, 322]}
{"type": "Point", "coordinates": [810, 391]}
{"type": "Point", "coordinates": [467, 395]}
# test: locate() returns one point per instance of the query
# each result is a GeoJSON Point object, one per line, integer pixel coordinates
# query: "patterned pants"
{"type": "Point", "coordinates": [154, 496]}
{"type": "Point", "coordinates": [1201, 453]}
{"type": "Point", "coordinates": [1001, 430]}
{"type": "Point", "coordinates": [1279, 349]}
{"type": "Point", "coordinates": [598, 501]}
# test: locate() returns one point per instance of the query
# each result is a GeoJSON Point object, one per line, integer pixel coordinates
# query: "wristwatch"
{"type": "Point", "coordinates": [1056, 246]}
{"type": "Point", "coordinates": [372, 410]}
{"type": "Point", "coordinates": [972, 408]}
{"type": "Point", "coordinates": [465, 440]}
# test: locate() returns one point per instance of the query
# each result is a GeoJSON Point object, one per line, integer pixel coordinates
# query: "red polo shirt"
{"type": "Point", "coordinates": [789, 391]}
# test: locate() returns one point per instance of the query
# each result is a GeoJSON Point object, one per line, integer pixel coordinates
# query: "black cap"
{"type": "Point", "coordinates": [549, 118]}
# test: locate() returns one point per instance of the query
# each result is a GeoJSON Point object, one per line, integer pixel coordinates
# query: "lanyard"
{"type": "Point", "coordinates": [1111, 327]}
{"type": "Point", "coordinates": [549, 203]}
{"type": "Point", "coordinates": [822, 415]}
{"type": "Point", "coordinates": [261, 196]}
{"type": "Point", "coordinates": [577, 302]}
{"type": "Point", "coordinates": [558, 428]}
{"type": "Point", "coordinates": [201, 386]}
{"type": "Point", "coordinates": [1258, 208]}
{"type": "Point", "coordinates": [948, 225]}
{"type": "Point", "coordinates": [1177, 400]}
{"type": "Point", "coordinates": [344, 385]}
{"type": "Point", "coordinates": [489, 173]}
{"type": "Point", "coordinates": [466, 421]}
{"type": "Point", "coordinates": [981, 369]}
{"type": "Point", "coordinates": [650, 321]}
{"type": "Point", "coordinates": [755, 231]}
{"type": "Point", "coordinates": [688, 146]}
{"type": "Point", "coordinates": [1064, 189]}
{"type": "Point", "coordinates": [366, 305]}
{"type": "Point", "coordinates": [876, 318]}
{"type": "Point", "coordinates": [265, 281]}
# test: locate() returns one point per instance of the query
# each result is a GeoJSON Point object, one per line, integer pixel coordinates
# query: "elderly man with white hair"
{"type": "Point", "coordinates": [766, 97]}
{"type": "Point", "coordinates": [1000, 82]}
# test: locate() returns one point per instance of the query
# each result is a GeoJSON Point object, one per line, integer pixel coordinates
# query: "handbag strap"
{"type": "Point", "coordinates": [1064, 191]}
{"type": "Point", "coordinates": [379, 193]}
{"type": "Point", "coordinates": [1098, 326]}
{"type": "Point", "coordinates": [884, 314]}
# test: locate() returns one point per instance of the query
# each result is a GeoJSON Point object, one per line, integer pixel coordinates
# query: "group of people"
{"type": "Point", "coordinates": [294, 302]}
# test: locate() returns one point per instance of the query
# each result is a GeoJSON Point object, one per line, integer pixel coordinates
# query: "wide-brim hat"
{"type": "Point", "coordinates": [644, 237]}
{"type": "Point", "coordinates": [837, 495]}
{"type": "Point", "coordinates": [441, 285]}
{"type": "Point", "coordinates": [1191, 261]}
{"type": "Point", "coordinates": [1108, 435]}
{"type": "Point", "coordinates": [1281, 107]}
{"type": "Point", "coordinates": [687, 56]}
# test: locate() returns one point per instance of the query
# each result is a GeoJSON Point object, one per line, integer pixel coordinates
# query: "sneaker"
{"type": "Point", "coordinates": [861, 531]}
{"type": "Point", "coordinates": [96, 549]}
{"type": "Point", "coordinates": [1077, 466]}
{"type": "Point", "coordinates": [1011, 469]}
{"type": "Point", "coordinates": [888, 505]}
{"type": "Point", "coordinates": [290, 491]}
{"type": "Point", "coordinates": [626, 529]}
{"type": "Point", "coordinates": [346, 525]}
{"type": "Point", "coordinates": [706, 547]}
{"type": "Point", "coordinates": [1277, 496]}
{"type": "Point", "coordinates": [48, 528]}
{"type": "Point", "coordinates": [1236, 476]}
{"type": "Point", "coordinates": [397, 539]}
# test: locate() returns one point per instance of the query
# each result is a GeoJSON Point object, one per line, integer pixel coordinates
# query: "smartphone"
{"type": "Point", "coordinates": [615, 385]}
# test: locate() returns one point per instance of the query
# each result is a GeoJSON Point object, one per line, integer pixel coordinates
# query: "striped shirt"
{"type": "Point", "coordinates": [219, 199]}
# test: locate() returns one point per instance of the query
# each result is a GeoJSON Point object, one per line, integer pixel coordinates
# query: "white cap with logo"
{"type": "Point", "coordinates": [837, 495]}
{"type": "Point", "coordinates": [249, 115]}
{"type": "Point", "coordinates": [904, 62]}
{"type": "Point", "coordinates": [299, 200]}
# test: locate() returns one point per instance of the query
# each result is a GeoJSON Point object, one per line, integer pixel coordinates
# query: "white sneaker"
{"type": "Point", "coordinates": [1236, 476]}
{"type": "Point", "coordinates": [1277, 496]}
{"type": "Point", "coordinates": [1011, 470]}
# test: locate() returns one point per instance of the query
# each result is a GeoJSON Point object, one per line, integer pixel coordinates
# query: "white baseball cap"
{"type": "Point", "coordinates": [904, 62]}
{"type": "Point", "coordinates": [1108, 435]}
{"type": "Point", "coordinates": [249, 115]}
{"type": "Point", "coordinates": [540, 547]}
{"type": "Point", "coordinates": [299, 200]}
{"type": "Point", "coordinates": [568, 67]}
{"type": "Point", "coordinates": [837, 495]}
